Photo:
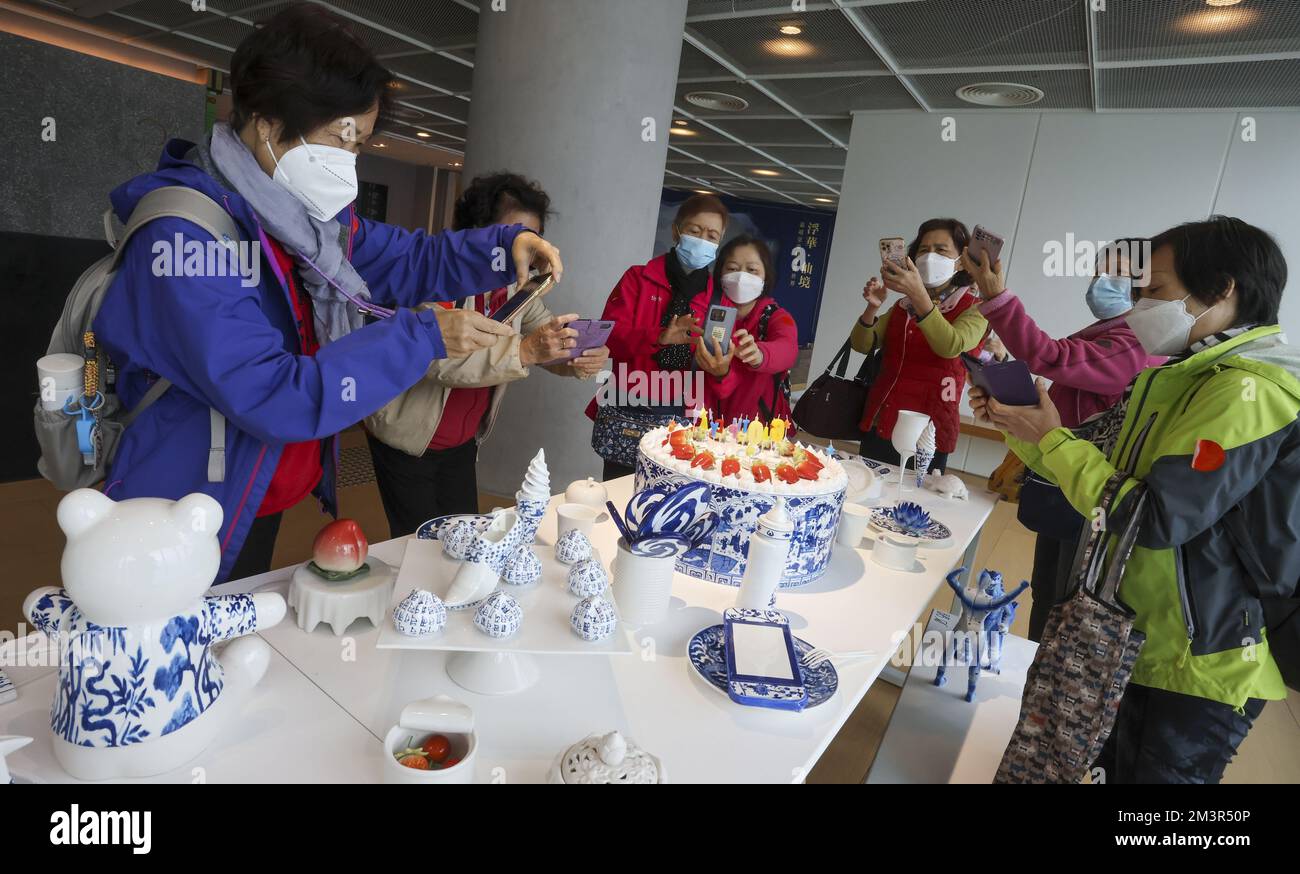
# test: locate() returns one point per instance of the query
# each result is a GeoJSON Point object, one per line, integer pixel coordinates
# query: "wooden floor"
{"type": "Point", "coordinates": [32, 543]}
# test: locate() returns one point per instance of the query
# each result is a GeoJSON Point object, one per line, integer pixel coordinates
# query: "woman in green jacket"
{"type": "Point", "coordinates": [1213, 435]}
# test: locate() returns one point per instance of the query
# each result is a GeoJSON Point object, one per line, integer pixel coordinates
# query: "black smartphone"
{"type": "Point", "coordinates": [533, 289]}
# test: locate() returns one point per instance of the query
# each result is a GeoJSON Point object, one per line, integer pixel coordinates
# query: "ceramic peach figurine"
{"type": "Point", "coordinates": [140, 691]}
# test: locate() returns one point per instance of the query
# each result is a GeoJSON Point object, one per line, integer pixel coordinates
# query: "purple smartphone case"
{"type": "Point", "coordinates": [591, 333]}
{"type": "Point", "coordinates": [1009, 382]}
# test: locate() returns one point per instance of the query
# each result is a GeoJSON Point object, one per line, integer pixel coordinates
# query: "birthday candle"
{"type": "Point", "coordinates": [778, 430]}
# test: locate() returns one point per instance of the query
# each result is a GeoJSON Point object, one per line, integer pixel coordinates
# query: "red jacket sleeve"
{"type": "Point", "coordinates": [628, 339]}
{"type": "Point", "coordinates": [781, 348]}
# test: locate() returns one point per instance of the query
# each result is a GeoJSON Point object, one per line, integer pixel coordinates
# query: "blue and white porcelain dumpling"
{"type": "Point", "coordinates": [456, 539]}
{"type": "Point", "coordinates": [524, 567]}
{"type": "Point", "coordinates": [587, 577]}
{"type": "Point", "coordinates": [499, 616]}
{"type": "Point", "coordinates": [419, 614]}
{"type": "Point", "coordinates": [593, 619]}
{"type": "Point", "coordinates": [573, 546]}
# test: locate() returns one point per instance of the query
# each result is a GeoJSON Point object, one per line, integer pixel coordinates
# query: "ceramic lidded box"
{"type": "Point", "coordinates": [140, 690]}
{"type": "Point", "coordinates": [587, 577]}
{"type": "Point", "coordinates": [607, 758]}
{"type": "Point", "coordinates": [572, 547]}
{"type": "Point", "coordinates": [593, 618]}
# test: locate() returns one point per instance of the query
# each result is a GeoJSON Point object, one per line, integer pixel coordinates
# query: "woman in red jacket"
{"type": "Point", "coordinates": [920, 340]}
{"type": "Point", "coordinates": [749, 379]}
{"type": "Point", "coordinates": [653, 326]}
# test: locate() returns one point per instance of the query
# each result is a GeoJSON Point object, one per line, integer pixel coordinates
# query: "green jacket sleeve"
{"type": "Point", "coordinates": [950, 339]}
{"type": "Point", "coordinates": [867, 339]}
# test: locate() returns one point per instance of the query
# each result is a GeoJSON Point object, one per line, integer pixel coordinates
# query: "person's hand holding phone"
{"type": "Point", "coordinates": [989, 278]}
{"type": "Point", "coordinates": [530, 250]}
{"type": "Point", "coordinates": [747, 348]}
{"type": "Point", "coordinates": [680, 330]}
{"type": "Point", "coordinates": [716, 363]}
{"type": "Point", "coordinates": [1029, 424]}
{"type": "Point", "coordinates": [906, 279]}
{"type": "Point", "coordinates": [590, 362]}
{"type": "Point", "coordinates": [551, 341]}
{"type": "Point", "coordinates": [465, 332]}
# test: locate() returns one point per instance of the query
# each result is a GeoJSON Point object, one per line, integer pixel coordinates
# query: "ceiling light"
{"type": "Point", "coordinates": [823, 200]}
{"type": "Point", "coordinates": [791, 29]}
{"type": "Point", "coordinates": [787, 47]}
{"type": "Point", "coordinates": [1212, 21]}
{"type": "Point", "coordinates": [683, 132]}
{"type": "Point", "coordinates": [1000, 94]}
{"type": "Point", "coordinates": [702, 191]}
{"type": "Point", "coordinates": [381, 145]}
{"type": "Point", "coordinates": [763, 172]}
{"type": "Point", "coordinates": [423, 133]}
{"type": "Point", "coordinates": [717, 101]}
{"type": "Point", "coordinates": [679, 122]}
{"type": "Point", "coordinates": [1222, 2]}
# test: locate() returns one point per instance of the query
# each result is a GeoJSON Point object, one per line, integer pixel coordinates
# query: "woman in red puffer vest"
{"type": "Point", "coordinates": [920, 340]}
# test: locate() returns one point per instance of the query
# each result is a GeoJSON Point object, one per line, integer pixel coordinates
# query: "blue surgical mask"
{"type": "Point", "coordinates": [1110, 296]}
{"type": "Point", "coordinates": [695, 253]}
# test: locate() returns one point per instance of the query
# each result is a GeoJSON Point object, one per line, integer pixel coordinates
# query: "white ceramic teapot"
{"type": "Point", "coordinates": [140, 691]}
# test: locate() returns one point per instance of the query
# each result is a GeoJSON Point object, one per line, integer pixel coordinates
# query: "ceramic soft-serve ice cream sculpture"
{"type": "Point", "coordinates": [140, 690]}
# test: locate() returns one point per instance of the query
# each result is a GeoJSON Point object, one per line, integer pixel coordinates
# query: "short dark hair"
{"type": "Point", "coordinates": [764, 255]}
{"type": "Point", "coordinates": [960, 238]}
{"type": "Point", "coordinates": [490, 196]}
{"type": "Point", "coordinates": [698, 204]}
{"type": "Point", "coordinates": [305, 68]}
{"type": "Point", "coordinates": [1208, 254]}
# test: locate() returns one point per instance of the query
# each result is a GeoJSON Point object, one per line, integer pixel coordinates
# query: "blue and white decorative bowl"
{"type": "Point", "coordinates": [721, 558]}
{"type": "Point", "coordinates": [419, 614]}
{"type": "Point", "coordinates": [587, 578]}
{"type": "Point", "coordinates": [499, 616]}
{"type": "Point", "coordinates": [707, 654]}
{"type": "Point", "coordinates": [524, 567]}
{"type": "Point", "coordinates": [456, 540]}
{"type": "Point", "coordinates": [593, 619]}
{"type": "Point", "coordinates": [573, 546]}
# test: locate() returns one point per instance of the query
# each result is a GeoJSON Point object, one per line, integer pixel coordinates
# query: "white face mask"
{"type": "Point", "coordinates": [936, 269]}
{"type": "Point", "coordinates": [324, 178]}
{"type": "Point", "coordinates": [742, 288]}
{"type": "Point", "coordinates": [1163, 327]}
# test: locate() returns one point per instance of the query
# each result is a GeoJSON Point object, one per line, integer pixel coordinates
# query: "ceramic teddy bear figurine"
{"type": "Point", "coordinates": [140, 690]}
{"type": "Point", "coordinates": [986, 616]}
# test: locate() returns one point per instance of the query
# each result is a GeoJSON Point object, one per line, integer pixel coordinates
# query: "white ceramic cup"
{"type": "Point", "coordinates": [577, 517]}
{"type": "Point", "coordinates": [894, 552]}
{"type": "Point", "coordinates": [643, 586]}
{"type": "Point", "coordinates": [853, 524]}
{"type": "Point", "coordinates": [59, 378]}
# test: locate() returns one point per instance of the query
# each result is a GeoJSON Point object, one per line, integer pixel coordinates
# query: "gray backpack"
{"type": "Point", "coordinates": [62, 435]}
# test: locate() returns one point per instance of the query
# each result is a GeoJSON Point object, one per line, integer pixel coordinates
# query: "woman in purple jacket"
{"type": "Point", "coordinates": [1089, 371]}
{"type": "Point", "coordinates": [269, 362]}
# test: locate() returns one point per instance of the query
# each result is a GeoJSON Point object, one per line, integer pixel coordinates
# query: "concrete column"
{"type": "Point", "coordinates": [565, 92]}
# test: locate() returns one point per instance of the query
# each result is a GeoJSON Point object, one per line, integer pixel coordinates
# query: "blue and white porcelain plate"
{"type": "Point", "coordinates": [935, 532]}
{"type": "Point", "coordinates": [432, 530]}
{"type": "Point", "coordinates": [707, 655]}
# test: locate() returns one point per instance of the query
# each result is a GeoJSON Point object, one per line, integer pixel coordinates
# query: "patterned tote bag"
{"type": "Point", "coordinates": [1074, 686]}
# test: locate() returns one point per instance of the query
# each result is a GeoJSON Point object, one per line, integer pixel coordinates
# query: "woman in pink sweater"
{"type": "Point", "coordinates": [1089, 371]}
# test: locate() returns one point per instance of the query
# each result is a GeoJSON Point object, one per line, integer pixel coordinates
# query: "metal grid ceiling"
{"type": "Point", "coordinates": [1204, 86]}
{"type": "Point", "coordinates": [1132, 30]}
{"type": "Point", "coordinates": [841, 95]}
{"type": "Point", "coordinates": [1062, 89]}
{"type": "Point", "coordinates": [828, 43]}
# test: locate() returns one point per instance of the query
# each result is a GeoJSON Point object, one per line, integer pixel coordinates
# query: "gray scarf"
{"type": "Point", "coordinates": [316, 247]}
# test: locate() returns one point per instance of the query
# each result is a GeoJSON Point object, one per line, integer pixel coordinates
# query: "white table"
{"type": "Point", "coordinates": [654, 697]}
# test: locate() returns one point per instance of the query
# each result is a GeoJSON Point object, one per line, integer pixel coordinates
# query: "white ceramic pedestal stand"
{"type": "Point", "coordinates": [316, 600]}
{"type": "Point", "coordinates": [493, 673]}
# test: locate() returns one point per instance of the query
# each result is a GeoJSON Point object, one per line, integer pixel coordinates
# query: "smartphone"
{"type": "Point", "coordinates": [1007, 382]}
{"type": "Point", "coordinates": [894, 249]}
{"type": "Point", "coordinates": [533, 289]}
{"type": "Point", "coordinates": [762, 667]}
{"type": "Point", "coordinates": [592, 333]}
{"type": "Point", "coordinates": [718, 326]}
{"type": "Point", "coordinates": [984, 240]}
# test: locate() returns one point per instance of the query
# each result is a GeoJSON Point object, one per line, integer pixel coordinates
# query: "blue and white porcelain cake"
{"type": "Point", "coordinates": [747, 472]}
